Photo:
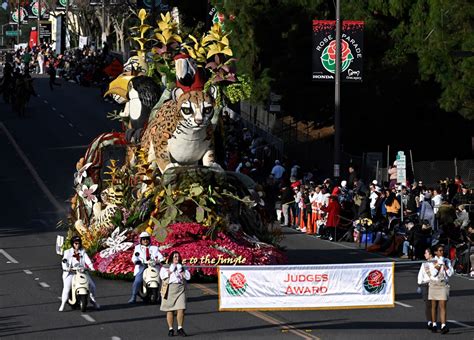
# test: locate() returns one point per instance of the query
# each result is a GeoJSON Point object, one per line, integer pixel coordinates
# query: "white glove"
{"type": "Point", "coordinates": [172, 267]}
{"type": "Point", "coordinates": [179, 267]}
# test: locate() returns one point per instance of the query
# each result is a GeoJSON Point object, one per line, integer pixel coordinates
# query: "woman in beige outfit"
{"type": "Point", "coordinates": [174, 299]}
{"type": "Point", "coordinates": [440, 272]}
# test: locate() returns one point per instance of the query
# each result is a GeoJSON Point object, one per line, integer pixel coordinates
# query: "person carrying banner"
{"type": "Point", "coordinates": [438, 293]}
{"type": "Point", "coordinates": [423, 284]}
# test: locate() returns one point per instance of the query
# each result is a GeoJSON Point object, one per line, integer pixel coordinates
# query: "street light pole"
{"type": "Point", "coordinates": [66, 30]}
{"type": "Point", "coordinates": [18, 18]}
{"type": "Point", "coordinates": [38, 23]}
{"type": "Point", "coordinates": [337, 96]}
{"type": "Point", "coordinates": [104, 38]}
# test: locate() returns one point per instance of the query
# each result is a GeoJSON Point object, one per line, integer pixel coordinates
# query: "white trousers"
{"type": "Point", "coordinates": [41, 67]}
{"type": "Point", "coordinates": [67, 286]}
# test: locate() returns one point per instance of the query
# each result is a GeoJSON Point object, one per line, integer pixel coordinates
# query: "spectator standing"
{"type": "Point", "coordinates": [286, 200]}
{"type": "Point", "coordinates": [52, 75]}
{"type": "Point", "coordinates": [352, 176]}
{"type": "Point", "coordinates": [278, 171]}
{"type": "Point", "coordinates": [40, 60]}
{"type": "Point", "coordinates": [427, 212]}
{"type": "Point", "coordinates": [463, 197]}
{"type": "Point", "coordinates": [393, 175]}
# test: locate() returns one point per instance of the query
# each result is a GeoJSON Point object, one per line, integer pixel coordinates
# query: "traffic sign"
{"type": "Point", "coordinates": [401, 168]}
{"type": "Point", "coordinates": [11, 33]}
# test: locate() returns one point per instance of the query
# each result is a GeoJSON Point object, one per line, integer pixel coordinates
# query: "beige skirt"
{"type": "Point", "coordinates": [438, 292]}
{"type": "Point", "coordinates": [176, 299]}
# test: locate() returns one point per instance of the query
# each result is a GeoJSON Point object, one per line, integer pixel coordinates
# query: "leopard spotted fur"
{"type": "Point", "coordinates": [181, 131]}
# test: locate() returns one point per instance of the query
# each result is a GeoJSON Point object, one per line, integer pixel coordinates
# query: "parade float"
{"type": "Point", "coordinates": [160, 174]}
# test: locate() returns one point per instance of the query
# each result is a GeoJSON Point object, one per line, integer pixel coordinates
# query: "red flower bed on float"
{"type": "Point", "coordinates": [192, 242]}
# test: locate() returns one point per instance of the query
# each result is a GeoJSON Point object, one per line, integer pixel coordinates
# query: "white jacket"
{"type": "Point", "coordinates": [139, 254]}
{"type": "Point", "coordinates": [70, 261]}
{"type": "Point", "coordinates": [441, 275]}
{"type": "Point", "coordinates": [424, 273]}
{"type": "Point", "coordinates": [176, 273]}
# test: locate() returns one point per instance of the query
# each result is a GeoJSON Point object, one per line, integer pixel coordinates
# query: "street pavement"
{"type": "Point", "coordinates": [39, 153]}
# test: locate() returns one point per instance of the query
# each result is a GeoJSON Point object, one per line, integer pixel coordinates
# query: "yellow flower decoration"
{"type": "Point", "coordinates": [142, 29]}
{"type": "Point", "coordinates": [218, 42]}
{"type": "Point", "coordinates": [198, 52]}
{"type": "Point", "coordinates": [166, 32]}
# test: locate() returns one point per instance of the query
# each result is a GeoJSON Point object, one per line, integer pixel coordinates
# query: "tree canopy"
{"type": "Point", "coordinates": [413, 44]}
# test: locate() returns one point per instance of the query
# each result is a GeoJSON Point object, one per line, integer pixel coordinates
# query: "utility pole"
{"type": "Point", "coordinates": [18, 17]}
{"type": "Point", "coordinates": [104, 38]}
{"type": "Point", "coordinates": [337, 96]}
{"type": "Point", "coordinates": [66, 30]}
{"type": "Point", "coordinates": [39, 23]}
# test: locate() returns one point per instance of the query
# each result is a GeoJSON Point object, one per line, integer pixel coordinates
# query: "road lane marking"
{"type": "Point", "coordinates": [264, 317]}
{"type": "Point", "coordinates": [70, 125]}
{"type": "Point", "coordinates": [403, 304]}
{"type": "Point", "coordinates": [44, 285]}
{"type": "Point", "coordinates": [80, 134]}
{"type": "Point", "coordinates": [28, 272]}
{"type": "Point", "coordinates": [61, 115]}
{"type": "Point", "coordinates": [8, 256]}
{"type": "Point", "coordinates": [116, 338]}
{"type": "Point", "coordinates": [33, 171]}
{"type": "Point", "coordinates": [88, 317]}
{"type": "Point", "coordinates": [460, 323]}
{"type": "Point", "coordinates": [53, 108]}
{"type": "Point", "coordinates": [45, 101]}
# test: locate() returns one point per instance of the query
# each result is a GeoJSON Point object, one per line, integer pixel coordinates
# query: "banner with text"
{"type": "Point", "coordinates": [334, 286]}
{"type": "Point", "coordinates": [324, 50]}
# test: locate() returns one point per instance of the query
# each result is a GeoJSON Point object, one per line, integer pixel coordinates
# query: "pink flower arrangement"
{"type": "Point", "coordinates": [191, 241]}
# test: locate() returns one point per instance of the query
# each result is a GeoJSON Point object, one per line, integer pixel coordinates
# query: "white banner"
{"type": "Point", "coordinates": [293, 287]}
{"type": "Point", "coordinates": [82, 41]}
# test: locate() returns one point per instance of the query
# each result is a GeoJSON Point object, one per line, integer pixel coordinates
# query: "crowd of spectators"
{"type": "Point", "coordinates": [386, 217]}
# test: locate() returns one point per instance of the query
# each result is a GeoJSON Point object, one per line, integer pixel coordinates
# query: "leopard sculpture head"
{"type": "Point", "coordinates": [181, 132]}
{"type": "Point", "coordinates": [195, 107]}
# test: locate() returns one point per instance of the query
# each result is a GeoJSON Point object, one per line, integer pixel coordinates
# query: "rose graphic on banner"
{"type": "Point", "coordinates": [23, 15]}
{"type": "Point", "coordinates": [34, 8]}
{"type": "Point", "coordinates": [374, 283]}
{"type": "Point", "coordinates": [328, 57]}
{"type": "Point", "coordinates": [236, 285]}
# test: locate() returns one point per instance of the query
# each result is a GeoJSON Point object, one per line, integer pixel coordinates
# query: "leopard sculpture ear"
{"type": "Point", "coordinates": [176, 93]}
{"type": "Point", "coordinates": [213, 91]}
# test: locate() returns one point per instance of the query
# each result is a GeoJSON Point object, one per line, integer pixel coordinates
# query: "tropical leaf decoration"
{"type": "Point", "coordinates": [197, 49]}
{"type": "Point", "coordinates": [217, 42]}
{"type": "Point", "coordinates": [140, 32]}
{"type": "Point", "coordinates": [167, 31]}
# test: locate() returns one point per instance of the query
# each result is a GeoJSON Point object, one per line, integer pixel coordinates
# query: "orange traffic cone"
{"type": "Point", "coordinates": [309, 229]}
{"type": "Point", "coordinates": [315, 223]}
{"type": "Point", "coordinates": [301, 224]}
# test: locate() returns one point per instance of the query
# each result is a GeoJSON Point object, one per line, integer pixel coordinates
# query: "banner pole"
{"type": "Point", "coordinates": [337, 97]}
{"type": "Point", "coordinates": [18, 18]}
{"type": "Point", "coordinates": [38, 23]}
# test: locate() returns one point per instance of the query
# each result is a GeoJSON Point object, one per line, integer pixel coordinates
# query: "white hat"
{"type": "Point", "coordinates": [343, 184]}
{"type": "Point", "coordinates": [144, 234]}
{"type": "Point", "coordinates": [374, 182]}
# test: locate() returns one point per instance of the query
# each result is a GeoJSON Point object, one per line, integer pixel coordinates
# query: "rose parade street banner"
{"type": "Point", "coordinates": [334, 286]}
{"type": "Point", "coordinates": [324, 50]}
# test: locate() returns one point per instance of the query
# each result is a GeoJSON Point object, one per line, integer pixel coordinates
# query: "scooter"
{"type": "Point", "coordinates": [79, 294]}
{"type": "Point", "coordinates": [151, 282]}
